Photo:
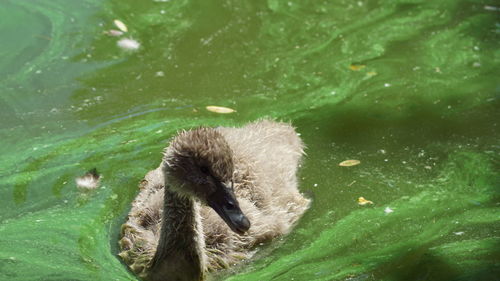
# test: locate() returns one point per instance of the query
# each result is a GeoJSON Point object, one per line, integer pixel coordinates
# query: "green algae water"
{"type": "Point", "coordinates": [410, 88]}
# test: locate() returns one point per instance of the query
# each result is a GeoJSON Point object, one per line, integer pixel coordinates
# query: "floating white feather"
{"type": "Point", "coordinates": [128, 44]}
{"type": "Point", "coordinates": [90, 180]}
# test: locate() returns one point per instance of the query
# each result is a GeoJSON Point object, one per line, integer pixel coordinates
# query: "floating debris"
{"type": "Point", "coordinates": [220, 109]}
{"type": "Point", "coordinates": [128, 44]}
{"type": "Point", "coordinates": [459, 233]}
{"type": "Point", "coordinates": [120, 25]}
{"type": "Point", "coordinates": [491, 8]}
{"type": "Point", "coordinates": [362, 201]}
{"type": "Point", "coordinates": [388, 210]}
{"type": "Point", "coordinates": [89, 181]}
{"type": "Point", "coordinates": [349, 163]}
{"type": "Point", "coordinates": [356, 67]}
{"type": "Point", "coordinates": [113, 32]}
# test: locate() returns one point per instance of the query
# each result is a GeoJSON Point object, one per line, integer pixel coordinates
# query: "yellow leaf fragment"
{"type": "Point", "coordinates": [120, 25]}
{"type": "Point", "coordinates": [349, 163]}
{"type": "Point", "coordinates": [220, 109]}
{"type": "Point", "coordinates": [356, 67]}
{"type": "Point", "coordinates": [371, 73]}
{"type": "Point", "coordinates": [362, 201]}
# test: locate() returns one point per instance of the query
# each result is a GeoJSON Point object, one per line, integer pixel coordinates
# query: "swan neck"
{"type": "Point", "coordinates": [181, 245]}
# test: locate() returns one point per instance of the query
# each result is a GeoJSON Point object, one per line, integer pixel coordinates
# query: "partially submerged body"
{"type": "Point", "coordinates": [265, 158]}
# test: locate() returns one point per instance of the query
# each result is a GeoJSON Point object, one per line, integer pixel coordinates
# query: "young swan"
{"type": "Point", "coordinates": [193, 213]}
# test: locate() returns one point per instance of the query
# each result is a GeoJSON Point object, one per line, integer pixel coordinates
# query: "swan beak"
{"type": "Point", "coordinates": [225, 204]}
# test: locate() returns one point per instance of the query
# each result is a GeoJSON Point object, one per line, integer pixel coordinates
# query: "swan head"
{"type": "Point", "coordinates": [199, 164]}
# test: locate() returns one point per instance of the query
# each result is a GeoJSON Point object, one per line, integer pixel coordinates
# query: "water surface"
{"type": "Point", "coordinates": [409, 88]}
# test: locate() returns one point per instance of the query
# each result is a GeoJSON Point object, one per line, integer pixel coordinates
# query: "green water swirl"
{"type": "Point", "coordinates": [408, 87]}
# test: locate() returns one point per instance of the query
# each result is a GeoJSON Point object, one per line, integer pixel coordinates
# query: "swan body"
{"type": "Point", "coordinates": [217, 193]}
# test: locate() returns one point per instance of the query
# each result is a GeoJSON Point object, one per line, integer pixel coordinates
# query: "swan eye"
{"type": "Point", "coordinates": [230, 205]}
{"type": "Point", "coordinates": [204, 169]}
